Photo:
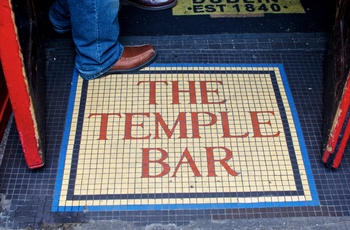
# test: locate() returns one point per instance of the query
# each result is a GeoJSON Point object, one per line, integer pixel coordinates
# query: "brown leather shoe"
{"type": "Point", "coordinates": [150, 4]}
{"type": "Point", "coordinates": [133, 58]}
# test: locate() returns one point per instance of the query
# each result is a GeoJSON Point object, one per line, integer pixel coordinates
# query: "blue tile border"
{"type": "Point", "coordinates": [61, 165]}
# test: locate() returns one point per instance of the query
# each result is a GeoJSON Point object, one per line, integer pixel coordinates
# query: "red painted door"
{"type": "Point", "coordinates": [19, 63]}
{"type": "Point", "coordinates": [337, 88]}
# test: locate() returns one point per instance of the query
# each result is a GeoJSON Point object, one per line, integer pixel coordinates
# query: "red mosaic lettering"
{"type": "Point", "coordinates": [226, 128]}
{"type": "Point", "coordinates": [256, 124]}
{"type": "Point", "coordinates": [146, 162]}
{"type": "Point", "coordinates": [181, 119]}
{"type": "Point", "coordinates": [195, 123]}
{"type": "Point", "coordinates": [104, 123]}
{"type": "Point", "coordinates": [165, 168]}
{"type": "Point", "coordinates": [129, 124]}
{"type": "Point", "coordinates": [152, 90]}
{"type": "Point", "coordinates": [190, 161]}
{"type": "Point", "coordinates": [176, 91]}
{"type": "Point", "coordinates": [205, 91]}
{"type": "Point", "coordinates": [211, 161]}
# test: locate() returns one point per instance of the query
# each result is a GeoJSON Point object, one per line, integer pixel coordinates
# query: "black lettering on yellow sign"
{"type": "Point", "coordinates": [237, 7]}
{"type": "Point", "coordinates": [199, 6]}
{"type": "Point", "coordinates": [208, 8]}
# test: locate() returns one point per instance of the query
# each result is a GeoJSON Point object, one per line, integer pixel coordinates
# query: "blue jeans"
{"type": "Point", "coordinates": [95, 31]}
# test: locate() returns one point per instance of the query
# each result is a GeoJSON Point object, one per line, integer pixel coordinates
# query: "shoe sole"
{"type": "Point", "coordinates": [132, 70]}
{"type": "Point", "coordinates": [126, 3]}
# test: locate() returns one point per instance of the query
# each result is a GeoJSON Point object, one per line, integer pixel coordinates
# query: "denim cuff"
{"type": "Point", "coordinates": [58, 26]}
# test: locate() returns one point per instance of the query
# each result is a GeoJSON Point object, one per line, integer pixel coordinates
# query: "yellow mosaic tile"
{"type": "Point", "coordinates": [194, 135]}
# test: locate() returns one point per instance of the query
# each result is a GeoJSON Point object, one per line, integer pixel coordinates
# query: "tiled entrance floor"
{"type": "Point", "coordinates": [219, 127]}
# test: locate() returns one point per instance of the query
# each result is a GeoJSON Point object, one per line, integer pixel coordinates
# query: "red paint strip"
{"type": "Point", "coordinates": [337, 128]}
{"type": "Point", "coordinates": [12, 63]}
{"type": "Point", "coordinates": [342, 147]}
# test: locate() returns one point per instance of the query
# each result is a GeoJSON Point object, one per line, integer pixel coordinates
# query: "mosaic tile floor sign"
{"type": "Point", "coordinates": [183, 136]}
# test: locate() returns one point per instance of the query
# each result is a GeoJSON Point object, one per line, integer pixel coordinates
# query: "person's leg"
{"type": "Point", "coordinates": [59, 16]}
{"type": "Point", "coordinates": [95, 31]}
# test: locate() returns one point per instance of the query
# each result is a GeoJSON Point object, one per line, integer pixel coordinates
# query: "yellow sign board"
{"type": "Point", "coordinates": [237, 7]}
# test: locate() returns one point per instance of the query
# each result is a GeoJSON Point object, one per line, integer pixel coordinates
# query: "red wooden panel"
{"type": "Point", "coordinates": [18, 87]}
{"type": "Point", "coordinates": [337, 88]}
{"type": "Point", "coordinates": [5, 106]}
{"type": "Point", "coordinates": [340, 131]}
